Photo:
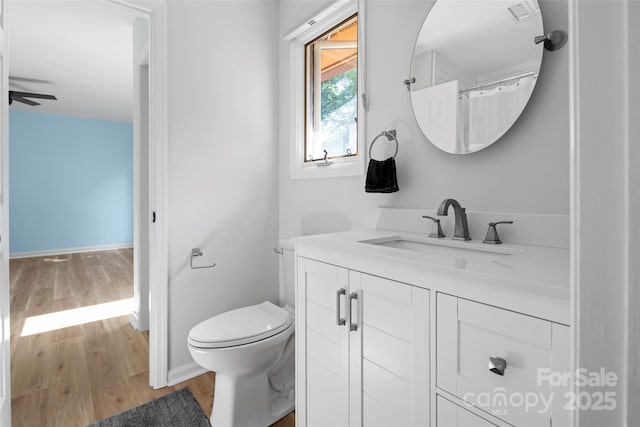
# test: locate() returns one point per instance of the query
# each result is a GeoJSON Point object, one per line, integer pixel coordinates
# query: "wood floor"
{"type": "Point", "coordinates": [76, 375]}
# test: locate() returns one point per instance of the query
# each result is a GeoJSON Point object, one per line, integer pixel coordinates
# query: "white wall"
{"type": "Point", "coordinates": [223, 194]}
{"type": "Point", "coordinates": [527, 171]}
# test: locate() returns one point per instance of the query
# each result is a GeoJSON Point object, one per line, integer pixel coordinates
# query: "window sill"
{"type": "Point", "coordinates": [335, 170]}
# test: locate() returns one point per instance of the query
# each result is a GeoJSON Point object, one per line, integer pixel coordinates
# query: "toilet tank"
{"type": "Point", "coordinates": [287, 273]}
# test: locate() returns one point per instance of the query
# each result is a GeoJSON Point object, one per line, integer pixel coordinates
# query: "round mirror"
{"type": "Point", "coordinates": [475, 66]}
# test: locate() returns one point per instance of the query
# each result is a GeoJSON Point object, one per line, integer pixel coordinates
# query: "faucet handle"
{"type": "Point", "coordinates": [492, 233]}
{"type": "Point", "coordinates": [436, 231]}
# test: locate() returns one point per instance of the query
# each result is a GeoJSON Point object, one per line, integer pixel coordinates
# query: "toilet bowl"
{"type": "Point", "coordinates": [251, 350]}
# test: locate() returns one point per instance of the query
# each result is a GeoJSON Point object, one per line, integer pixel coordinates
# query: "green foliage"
{"type": "Point", "coordinates": [337, 91]}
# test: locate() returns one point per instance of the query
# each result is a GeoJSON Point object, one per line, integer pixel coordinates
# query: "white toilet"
{"type": "Point", "coordinates": [251, 350]}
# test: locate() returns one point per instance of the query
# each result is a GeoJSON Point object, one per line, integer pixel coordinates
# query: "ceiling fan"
{"type": "Point", "coordinates": [24, 97]}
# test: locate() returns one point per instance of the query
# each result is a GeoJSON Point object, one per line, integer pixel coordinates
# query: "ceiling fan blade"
{"type": "Point", "coordinates": [32, 95]}
{"type": "Point", "coordinates": [28, 80]}
{"type": "Point", "coordinates": [24, 100]}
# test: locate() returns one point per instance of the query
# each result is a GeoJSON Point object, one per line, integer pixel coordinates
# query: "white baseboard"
{"type": "Point", "coordinates": [136, 323]}
{"type": "Point", "coordinates": [184, 373]}
{"type": "Point", "coordinates": [52, 252]}
{"type": "Point", "coordinates": [133, 321]}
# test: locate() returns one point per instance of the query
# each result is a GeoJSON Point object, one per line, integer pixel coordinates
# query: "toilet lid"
{"type": "Point", "coordinates": [241, 326]}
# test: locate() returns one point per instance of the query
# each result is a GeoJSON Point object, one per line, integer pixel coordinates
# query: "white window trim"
{"type": "Point", "coordinates": [322, 22]}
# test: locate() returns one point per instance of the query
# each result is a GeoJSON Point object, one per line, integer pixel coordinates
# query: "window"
{"type": "Point", "coordinates": [326, 117]}
{"type": "Point", "coordinates": [331, 102]}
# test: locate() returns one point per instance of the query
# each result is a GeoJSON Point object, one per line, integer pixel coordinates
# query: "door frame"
{"type": "Point", "coordinates": [605, 199]}
{"type": "Point", "coordinates": [155, 12]}
{"type": "Point", "coordinates": [141, 213]}
{"type": "Point", "coordinates": [5, 284]}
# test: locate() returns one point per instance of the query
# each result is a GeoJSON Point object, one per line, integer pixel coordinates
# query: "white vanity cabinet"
{"type": "Point", "coordinates": [394, 335]}
{"type": "Point", "coordinates": [499, 361]}
{"type": "Point", "coordinates": [362, 349]}
{"type": "Point", "coordinates": [451, 415]}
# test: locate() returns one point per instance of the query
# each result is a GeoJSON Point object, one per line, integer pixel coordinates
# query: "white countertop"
{"type": "Point", "coordinates": [533, 280]}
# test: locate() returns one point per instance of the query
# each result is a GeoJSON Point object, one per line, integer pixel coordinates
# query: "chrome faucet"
{"type": "Point", "coordinates": [461, 231]}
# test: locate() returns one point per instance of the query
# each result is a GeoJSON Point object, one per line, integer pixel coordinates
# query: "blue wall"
{"type": "Point", "coordinates": [71, 182]}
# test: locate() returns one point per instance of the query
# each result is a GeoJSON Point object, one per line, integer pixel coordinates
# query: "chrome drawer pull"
{"type": "Point", "coordinates": [497, 365]}
{"type": "Point", "coordinates": [339, 320]}
{"type": "Point", "coordinates": [352, 326]}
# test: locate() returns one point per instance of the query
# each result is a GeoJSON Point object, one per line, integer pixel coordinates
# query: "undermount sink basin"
{"type": "Point", "coordinates": [443, 247]}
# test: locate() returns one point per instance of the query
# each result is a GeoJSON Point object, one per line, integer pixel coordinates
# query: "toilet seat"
{"type": "Point", "coordinates": [241, 326]}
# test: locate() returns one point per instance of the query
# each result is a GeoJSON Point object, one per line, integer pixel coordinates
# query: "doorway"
{"type": "Point", "coordinates": [154, 12]}
{"type": "Point", "coordinates": [114, 266]}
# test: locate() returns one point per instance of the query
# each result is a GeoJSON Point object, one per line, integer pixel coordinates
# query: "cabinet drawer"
{"type": "Point", "coordinates": [451, 415]}
{"type": "Point", "coordinates": [470, 333]}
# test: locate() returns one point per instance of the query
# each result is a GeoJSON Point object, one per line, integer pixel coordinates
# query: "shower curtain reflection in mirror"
{"type": "Point", "coordinates": [486, 113]}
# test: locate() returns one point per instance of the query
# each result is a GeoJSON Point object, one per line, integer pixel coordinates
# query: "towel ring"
{"type": "Point", "coordinates": [391, 136]}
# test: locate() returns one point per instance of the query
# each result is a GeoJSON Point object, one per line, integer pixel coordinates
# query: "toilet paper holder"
{"type": "Point", "coordinates": [196, 252]}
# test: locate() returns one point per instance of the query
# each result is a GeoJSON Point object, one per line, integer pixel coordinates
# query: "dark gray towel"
{"type": "Point", "coordinates": [381, 176]}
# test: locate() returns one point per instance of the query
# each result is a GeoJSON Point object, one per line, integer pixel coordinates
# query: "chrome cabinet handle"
{"type": "Point", "coordinates": [497, 365]}
{"type": "Point", "coordinates": [352, 326]}
{"type": "Point", "coordinates": [339, 320]}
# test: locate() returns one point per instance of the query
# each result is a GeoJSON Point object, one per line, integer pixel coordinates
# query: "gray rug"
{"type": "Point", "coordinates": [177, 409]}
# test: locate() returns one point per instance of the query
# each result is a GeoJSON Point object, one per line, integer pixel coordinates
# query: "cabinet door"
{"type": "Point", "coordinates": [394, 384]}
{"type": "Point", "coordinates": [322, 348]}
{"type": "Point", "coordinates": [451, 415]}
